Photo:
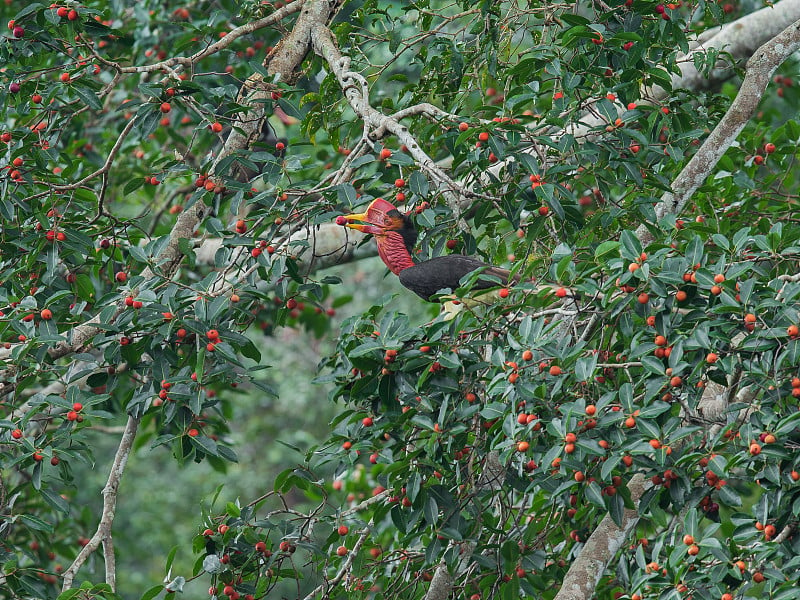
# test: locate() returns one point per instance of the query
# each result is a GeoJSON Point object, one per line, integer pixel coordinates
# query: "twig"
{"type": "Point", "coordinates": [103, 533]}
{"type": "Point", "coordinates": [348, 562]}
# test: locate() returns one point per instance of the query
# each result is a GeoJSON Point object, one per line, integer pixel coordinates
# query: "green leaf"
{"type": "Point", "coordinates": [36, 523]}
{"type": "Point", "coordinates": [418, 184]}
{"type": "Point", "coordinates": [148, 595]}
{"type": "Point", "coordinates": [595, 495]}
{"type": "Point", "coordinates": [55, 500]}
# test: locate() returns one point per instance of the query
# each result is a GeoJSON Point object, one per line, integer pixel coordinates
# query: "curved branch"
{"type": "Point", "coordinates": [103, 533]}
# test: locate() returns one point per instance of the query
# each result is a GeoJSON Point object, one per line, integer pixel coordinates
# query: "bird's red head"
{"type": "Point", "coordinates": [393, 231]}
{"type": "Point", "coordinates": [379, 218]}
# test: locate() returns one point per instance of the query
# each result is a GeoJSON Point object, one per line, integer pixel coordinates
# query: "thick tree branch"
{"type": "Point", "coordinates": [739, 38]}
{"type": "Point", "coordinates": [598, 551]}
{"type": "Point", "coordinates": [103, 533]}
{"type": "Point", "coordinates": [760, 68]}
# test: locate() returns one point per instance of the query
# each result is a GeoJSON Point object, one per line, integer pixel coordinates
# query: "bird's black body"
{"type": "Point", "coordinates": [431, 276]}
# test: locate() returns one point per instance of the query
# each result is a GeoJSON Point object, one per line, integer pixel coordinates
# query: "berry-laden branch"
{"type": "Point", "coordinates": [738, 38]}
{"type": "Point", "coordinates": [282, 62]}
{"type": "Point", "coordinates": [759, 72]}
{"type": "Point", "coordinates": [103, 533]}
{"type": "Point", "coordinates": [345, 568]}
{"type": "Point", "coordinates": [581, 580]}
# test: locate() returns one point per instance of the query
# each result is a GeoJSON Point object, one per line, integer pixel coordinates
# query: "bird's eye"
{"type": "Point", "coordinates": [387, 220]}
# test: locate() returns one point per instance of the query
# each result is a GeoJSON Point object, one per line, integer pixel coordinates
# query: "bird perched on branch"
{"type": "Point", "coordinates": [395, 235]}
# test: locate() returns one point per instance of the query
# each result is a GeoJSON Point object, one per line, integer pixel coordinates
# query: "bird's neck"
{"type": "Point", "coordinates": [394, 253]}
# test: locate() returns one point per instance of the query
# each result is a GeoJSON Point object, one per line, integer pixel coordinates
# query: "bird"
{"type": "Point", "coordinates": [395, 235]}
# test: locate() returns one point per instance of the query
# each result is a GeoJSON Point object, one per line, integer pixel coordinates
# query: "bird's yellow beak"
{"type": "Point", "coordinates": [372, 220]}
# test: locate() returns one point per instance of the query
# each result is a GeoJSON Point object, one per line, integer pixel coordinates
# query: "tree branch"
{"type": "Point", "coordinates": [103, 533]}
{"type": "Point", "coordinates": [223, 43]}
{"type": "Point", "coordinates": [760, 68]}
{"type": "Point", "coordinates": [598, 551]}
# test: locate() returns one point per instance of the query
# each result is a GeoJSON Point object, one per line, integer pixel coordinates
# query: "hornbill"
{"type": "Point", "coordinates": [395, 235]}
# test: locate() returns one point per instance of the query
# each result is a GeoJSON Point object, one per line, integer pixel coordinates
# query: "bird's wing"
{"type": "Point", "coordinates": [442, 272]}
